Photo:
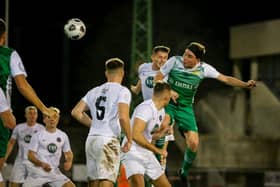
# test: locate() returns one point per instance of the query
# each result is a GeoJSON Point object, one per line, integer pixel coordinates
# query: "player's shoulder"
{"type": "Point", "coordinates": [206, 65]}
{"type": "Point", "coordinates": [125, 89]}
{"type": "Point", "coordinates": [41, 126]}
{"type": "Point", "coordinates": [21, 125]}
{"type": "Point", "coordinates": [59, 131]}
{"type": "Point", "coordinates": [92, 90]}
{"type": "Point", "coordinates": [145, 66]}
{"type": "Point", "coordinates": [146, 104]}
{"type": "Point", "coordinates": [7, 49]}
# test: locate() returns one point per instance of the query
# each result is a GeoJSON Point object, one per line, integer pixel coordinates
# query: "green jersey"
{"type": "Point", "coordinates": [10, 66]}
{"type": "Point", "coordinates": [186, 81]}
{"type": "Point", "coordinates": [5, 69]}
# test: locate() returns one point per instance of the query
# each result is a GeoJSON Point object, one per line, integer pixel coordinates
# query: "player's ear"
{"type": "Point", "coordinates": [152, 57]}
{"type": "Point", "coordinates": [106, 74]}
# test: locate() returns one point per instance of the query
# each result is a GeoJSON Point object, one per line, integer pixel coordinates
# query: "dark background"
{"type": "Point", "coordinates": [61, 71]}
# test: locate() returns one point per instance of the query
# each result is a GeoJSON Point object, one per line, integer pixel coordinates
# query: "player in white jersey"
{"type": "Point", "coordinates": [146, 73]}
{"type": "Point", "coordinates": [148, 70]}
{"type": "Point", "coordinates": [8, 120]}
{"type": "Point", "coordinates": [146, 119]}
{"type": "Point", "coordinates": [109, 108]}
{"type": "Point", "coordinates": [45, 151]}
{"type": "Point", "coordinates": [21, 136]}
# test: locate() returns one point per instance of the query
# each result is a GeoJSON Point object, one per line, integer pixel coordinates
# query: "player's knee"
{"type": "Point", "coordinates": [193, 144]}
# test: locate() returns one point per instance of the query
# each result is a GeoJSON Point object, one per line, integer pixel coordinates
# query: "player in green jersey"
{"type": "Point", "coordinates": [11, 66]}
{"type": "Point", "coordinates": [185, 74]}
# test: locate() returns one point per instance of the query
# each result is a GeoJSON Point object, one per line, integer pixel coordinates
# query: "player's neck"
{"type": "Point", "coordinates": [50, 129]}
{"type": "Point", "coordinates": [30, 124]}
{"type": "Point", "coordinates": [115, 79]}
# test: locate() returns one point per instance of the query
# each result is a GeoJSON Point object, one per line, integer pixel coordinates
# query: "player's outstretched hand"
{"type": "Point", "coordinates": [49, 112]}
{"type": "Point", "coordinates": [174, 96]}
{"type": "Point", "coordinates": [251, 84]}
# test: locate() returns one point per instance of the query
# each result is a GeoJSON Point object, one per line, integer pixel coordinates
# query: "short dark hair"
{"type": "Point", "coordinates": [161, 48]}
{"type": "Point", "coordinates": [114, 63]}
{"type": "Point", "coordinates": [2, 27]}
{"type": "Point", "coordinates": [198, 49]}
{"type": "Point", "coordinates": [161, 86]}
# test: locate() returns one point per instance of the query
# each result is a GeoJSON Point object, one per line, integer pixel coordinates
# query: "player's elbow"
{"type": "Point", "coordinates": [75, 114]}
{"type": "Point", "coordinates": [9, 120]}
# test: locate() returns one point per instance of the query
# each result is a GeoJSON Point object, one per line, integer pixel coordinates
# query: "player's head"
{"type": "Point", "coordinates": [31, 115]}
{"type": "Point", "coordinates": [2, 31]}
{"type": "Point", "coordinates": [114, 67]}
{"type": "Point", "coordinates": [162, 91]}
{"type": "Point", "coordinates": [193, 54]}
{"type": "Point", "coordinates": [52, 121]}
{"type": "Point", "coordinates": [160, 55]}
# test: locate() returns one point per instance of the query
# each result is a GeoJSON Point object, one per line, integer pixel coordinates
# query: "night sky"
{"type": "Point", "coordinates": [61, 71]}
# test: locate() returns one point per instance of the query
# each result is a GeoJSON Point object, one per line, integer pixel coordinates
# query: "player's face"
{"type": "Point", "coordinates": [51, 121]}
{"type": "Point", "coordinates": [167, 96]}
{"type": "Point", "coordinates": [189, 59]}
{"type": "Point", "coordinates": [31, 116]}
{"type": "Point", "coordinates": [160, 58]}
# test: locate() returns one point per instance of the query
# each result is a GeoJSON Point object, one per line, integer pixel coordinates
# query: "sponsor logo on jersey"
{"type": "Point", "coordinates": [52, 148]}
{"type": "Point", "coordinates": [149, 82]}
{"type": "Point", "coordinates": [27, 138]}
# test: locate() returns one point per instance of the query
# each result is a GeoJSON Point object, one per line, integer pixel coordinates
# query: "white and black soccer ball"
{"type": "Point", "coordinates": [75, 29]}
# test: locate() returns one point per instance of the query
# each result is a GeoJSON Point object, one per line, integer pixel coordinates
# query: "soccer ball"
{"type": "Point", "coordinates": [75, 29]}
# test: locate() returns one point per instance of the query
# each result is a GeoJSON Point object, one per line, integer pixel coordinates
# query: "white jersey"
{"type": "Point", "coordinates": [22, 133]}
{"type": "Point", "coordinates": [103, 104]}
{"type": "Point", "coordinates": [153, 118]}
{"type": "Point", "coordinates": [17, 67]}
{"type": "Point", "coordinates": [4, 105]}
{"type": "Point", "coordinates": [146, 75]}
{"type": "Point", "coordinates": [49, 146]}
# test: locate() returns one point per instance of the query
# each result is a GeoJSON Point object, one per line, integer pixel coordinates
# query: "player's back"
{"type": "Point", "coordinates": [103, 103]}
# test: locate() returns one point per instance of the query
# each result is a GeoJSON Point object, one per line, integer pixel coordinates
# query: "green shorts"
{"type": "Point", "coordinates": [4, 138]}
{"type": "Point", "coordinates": [183, 116]}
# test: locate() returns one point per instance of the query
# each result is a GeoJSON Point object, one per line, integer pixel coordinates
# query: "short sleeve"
{"type": "Point", "coordinates": [210, 71]}
{"type": "Point", "coordinates": [144, 113]}
{"type": "Point", "coordinates": [167, 67]}
{"type": "Point", "coordinates": [66, 146]}
{"type": "Point", "coordinates": [4, 105]}
{"type": "Point", "coordinates": [17, 67]}
{"type": "Point", "coordinates": [125, 96]}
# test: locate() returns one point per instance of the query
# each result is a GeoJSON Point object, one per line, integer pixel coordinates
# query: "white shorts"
{"type": "Point", "coordinates": [144, 163]}
{"type": "Point", "coordinates": [103, 158]}
{"type": "Point", "coordinates": [19, 172]}
{"type": "Point", "coordinates": [37, 177]}
{"type": "Point", "coordinates": [1, 178]}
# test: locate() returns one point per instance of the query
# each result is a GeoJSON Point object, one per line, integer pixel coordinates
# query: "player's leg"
{"type": "Point", "coordinates": [18, 174]}
{"type": "Point", "coordinates": [136, 180]}
{"type": "Point", "coordinates": [69, 184]}
{"type": "Point", "coordinates": [4, 138]}
{"type": "Point", "coordinates": [156, 174]}
{"type": "Point", "coordinates": [101, 150]}
{"type": "Point", "coordinates": [187, 125]}
{"type": "Point", "coordinates": [162, 181]}
{"type": "Point", "coordinates": [56, 179]}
